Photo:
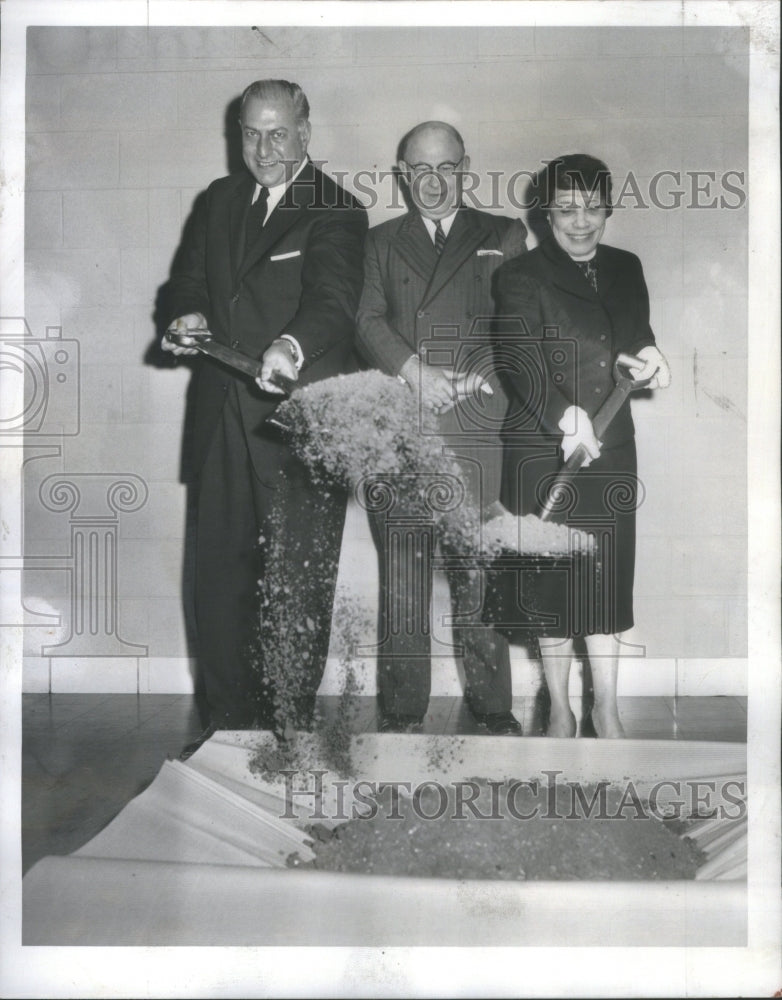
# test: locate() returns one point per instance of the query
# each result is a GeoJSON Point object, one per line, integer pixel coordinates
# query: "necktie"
{"type": "Point", "coordinates": [589, 269]}
{"type": "Point", "coordinates": [439, 238]}
{"type": "Point", "coordinates": [256, 214]}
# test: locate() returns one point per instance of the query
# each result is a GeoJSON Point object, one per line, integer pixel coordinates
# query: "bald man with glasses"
{"type": "Point", "coordinates": [424, 315]}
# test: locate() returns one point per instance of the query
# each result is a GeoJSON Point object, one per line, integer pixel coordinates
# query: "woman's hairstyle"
{"type": "Point", "coordinates": [576, 172]}
{"type": "Point", "coordinates": [276, 90]}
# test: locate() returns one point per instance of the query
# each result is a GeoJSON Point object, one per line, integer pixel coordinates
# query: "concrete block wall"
{"type": "Point", "coordinates": [125, 125]}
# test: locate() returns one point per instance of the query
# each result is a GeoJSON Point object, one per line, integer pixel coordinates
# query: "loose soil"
{"type": "Point", "coordinates": [625, 846]}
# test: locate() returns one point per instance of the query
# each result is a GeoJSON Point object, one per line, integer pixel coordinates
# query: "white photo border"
{"type": "Point", "coordinates": [293, 971]}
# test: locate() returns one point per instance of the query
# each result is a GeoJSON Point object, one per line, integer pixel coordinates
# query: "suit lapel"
{"type": "Point", "coordinates": [466, 235]}
{"type": "Point", "coordinates": [606, 272]}
{"type": "Point", "coordinates": [240, 202]}
{"type": "Point", "coordinates": [415, 246]}
{"type": "Point", "coordinates": [298, 196]}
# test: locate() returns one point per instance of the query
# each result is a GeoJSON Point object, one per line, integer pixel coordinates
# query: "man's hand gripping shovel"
{"type": "Point", "coordinates": [202, 341]}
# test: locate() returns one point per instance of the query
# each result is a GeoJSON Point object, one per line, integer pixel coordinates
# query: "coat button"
{"type": "Point", "coordinates": [603, 364]}
{"type": "Point", "coordinates": [234, 344]}
{"type": "Point", "coordinates": [602, 336]}
{"type": "Point", "coordinates": [421, 313]}
{"type": "Point", "coordinates": [598, 390]}
{"type": "Point", "coordinates": [235, 297]}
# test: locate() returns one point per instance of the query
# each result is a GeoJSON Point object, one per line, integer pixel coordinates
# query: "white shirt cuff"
{"type": "Point", "coordinates": [401, 377]}
{"type": "Point", "coordinates": [298, 354]}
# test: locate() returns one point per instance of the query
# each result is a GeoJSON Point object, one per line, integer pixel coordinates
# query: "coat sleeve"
{"type": "Point", "coordinates": [186, 291]}
{"type": "Point", "coordinates": [378, 341]}
{"type": "Point", "coordinates": [522, 318]}
{"type": "Point", "coordinates": [331, 281]}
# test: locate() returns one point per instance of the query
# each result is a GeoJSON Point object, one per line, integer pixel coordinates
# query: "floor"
{"type": "Point", "coordinates": [85, 756]}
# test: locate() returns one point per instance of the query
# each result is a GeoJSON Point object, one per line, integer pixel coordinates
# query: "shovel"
{"type": "Point", "coordinates": [624, 384]}
{"type": "Point", "coordinates": [239, 362]}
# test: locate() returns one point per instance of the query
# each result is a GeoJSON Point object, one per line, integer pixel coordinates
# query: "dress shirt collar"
{"type": "Point", "coordinates": [277, 193]}
{"type": "Point", "coordinates": [446, 223]}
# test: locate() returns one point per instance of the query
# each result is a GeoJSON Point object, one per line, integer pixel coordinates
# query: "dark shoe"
{"type": "Point", "coordinates": [499, 723]}
{"type": "Point", "coordinates": [191, 748]}
{"type": "Point", "coordinates": [392, 723]}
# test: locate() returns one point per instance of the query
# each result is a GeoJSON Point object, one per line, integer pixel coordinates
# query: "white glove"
{"type": "Point", "coordinates": [654, 363]}
{"type": "Point", "coordinates": [577, 429]}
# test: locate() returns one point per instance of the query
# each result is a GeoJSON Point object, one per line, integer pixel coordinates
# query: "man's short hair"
{"type": "Point", "coordinates": [279, 90]}
{"type": "Point", "coordinates": [576, 172]}
{"type": "Point", "coordinates": [422, 126]}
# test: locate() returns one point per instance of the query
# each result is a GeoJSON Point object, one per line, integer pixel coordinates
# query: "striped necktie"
{"type": "Point", "coordinates": [439, 237]}
{"type": "Point", "coordinates": [256, 216]}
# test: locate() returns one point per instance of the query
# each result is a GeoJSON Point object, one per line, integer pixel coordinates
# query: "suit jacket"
{"type": "Point", "coordinates": [301, 276]}
{"type": "Point", "coordinates": [411, 298]}
{"type": "Point", "coordinates": [560, 337]}
{"type": "Point", "coordinates": [442, 309]}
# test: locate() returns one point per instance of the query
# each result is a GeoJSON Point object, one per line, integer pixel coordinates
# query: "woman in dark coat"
{"type": "Point", "coordinates": [576, 306]}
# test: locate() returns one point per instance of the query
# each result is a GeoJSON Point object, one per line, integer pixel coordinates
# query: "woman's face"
{"type": "Point", "coordinates": [577, 220]}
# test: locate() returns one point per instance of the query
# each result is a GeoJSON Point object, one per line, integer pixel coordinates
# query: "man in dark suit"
{"type": "Point", "coordinates": [271, 266]}
{"type": "Point", "coordinates": [424, 316]}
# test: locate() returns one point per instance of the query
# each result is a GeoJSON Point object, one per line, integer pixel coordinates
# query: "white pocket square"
{"type": "Point", "coordinates": [286, 256]}
{"type": "Point", "coordinates": [490, 253]}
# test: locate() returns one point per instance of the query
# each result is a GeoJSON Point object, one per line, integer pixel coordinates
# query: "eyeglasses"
{"type": "Point", "coordinates": [444, 169]}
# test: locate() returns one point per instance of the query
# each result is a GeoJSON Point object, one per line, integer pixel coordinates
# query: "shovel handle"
{"type": "Point", "coordinates": [239, 362]}
{"type": "Point", "coordinates": [565, 474]}
{"type": "Point", "coordinates": [624, 385]}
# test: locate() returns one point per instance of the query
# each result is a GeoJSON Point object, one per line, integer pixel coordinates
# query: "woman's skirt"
{"type": "Point", "coordinates": [590, 591]}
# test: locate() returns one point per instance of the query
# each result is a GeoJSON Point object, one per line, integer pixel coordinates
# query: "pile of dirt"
{"type": "Point", "coordinates": [566, 835]}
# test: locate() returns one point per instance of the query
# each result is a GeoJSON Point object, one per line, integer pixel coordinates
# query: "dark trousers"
{"type": "Point", "coordinates": [404, 652]}
{"type": "Point", "coordinates": [301, 527]}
